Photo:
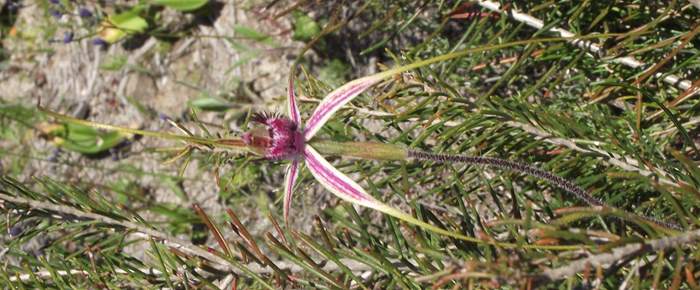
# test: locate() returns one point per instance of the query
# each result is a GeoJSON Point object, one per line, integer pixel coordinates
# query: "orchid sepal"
{"type": "Point", "coordinates": [335, 100]}
{"type": "Point", "coordinates": [290, 179]}
{"type": "Point", "coordinates": [361, 150]}
{"type": "Point", "coordinates": [292, 106]}
{"type": "Point", "coordinates": [338, 183]}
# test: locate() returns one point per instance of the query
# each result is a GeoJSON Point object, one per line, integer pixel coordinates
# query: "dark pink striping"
{"type": "Point", "coordinates": [293, 102]}
{"type": "Point", "coordinates": [284, 140]}
{"type": "Point", "coordinates": [324, 110]}
{"type": "Point", "coordinates": [336, 182]}
{"type": "Point", "coordinates": [292, 176]}
{"type": "Point", "coordinates": [293, 111]}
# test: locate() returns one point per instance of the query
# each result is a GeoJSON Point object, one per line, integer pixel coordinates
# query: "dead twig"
{"type": "Point", "coordinates": [607, 259]}
{"type": "Point", "coordinates": [591, 47]}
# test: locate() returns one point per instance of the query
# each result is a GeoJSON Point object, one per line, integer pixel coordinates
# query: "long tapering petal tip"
{"type": "Point", "coordinates": [292, 106]}
{"type": "Point", "coordinates": [290, 179]}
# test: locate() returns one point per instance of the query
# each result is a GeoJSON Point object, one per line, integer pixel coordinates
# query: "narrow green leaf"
{"type": "Point", "coordinates": [328, 254]}
{"type": "Point", "coordinates": [161, 263]}
{"type": "Point", "coordinates": [113, 63]}
{"type": "Point", "coordinates": [253, 34]}
{"type": "Point", "coordinates": [181, 5]}
{"type": "Point", "coordinates": [129, 21]}
{"type": "Point", "coordinates": [210, 104]}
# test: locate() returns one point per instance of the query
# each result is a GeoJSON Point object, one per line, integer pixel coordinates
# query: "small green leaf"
{"type": "Point", "coordinates": [129, 21]}
{"type": "Point", "coordinates": [210, 104]}
{"type": "Point", "coordinates": [305, 28]}
{"type": "Point", "coordinates": [181, 5]}
{"type": "Point", "coordinates": [243, 177]}
{"type": "Point", "coordinates": [111, 34]}
{"type": "Point", "coordinates": [113, 63]}
{"type": "Point", "coordinates": [333, 73]}
{"type": "Point", "coordinates": [251, 33]}
{"type": "Point", "coordinates": [84, 139]}
{"type": "Point", "coordinates": [118, 26]}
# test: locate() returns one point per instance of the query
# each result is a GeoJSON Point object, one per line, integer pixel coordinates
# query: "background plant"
{"type": "Point", "coordinates": [623, 133]}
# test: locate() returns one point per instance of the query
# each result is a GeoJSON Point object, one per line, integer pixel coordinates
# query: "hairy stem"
{"type": "Point", "coordinates": [555, 180]}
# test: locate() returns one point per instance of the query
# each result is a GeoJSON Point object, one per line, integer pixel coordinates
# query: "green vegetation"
{"type": "Point", "coordinates": [178, 204]}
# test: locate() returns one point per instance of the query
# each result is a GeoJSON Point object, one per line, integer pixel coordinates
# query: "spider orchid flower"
{"type": "Point", "coordinates": [286, 138]}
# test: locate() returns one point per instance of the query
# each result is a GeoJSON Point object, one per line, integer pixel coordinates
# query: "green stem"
{"type": "Point", "coordinates": [453, 55]}
{"type": "Point", "coordinates": [229, 143]}
{"type": "Point", "coordinates": [362, 150]}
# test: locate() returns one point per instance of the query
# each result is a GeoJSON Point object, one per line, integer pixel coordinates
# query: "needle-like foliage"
{"type": "Point", "coordinates": [598, 112]}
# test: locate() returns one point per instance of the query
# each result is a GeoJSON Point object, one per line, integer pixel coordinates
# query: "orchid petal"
{"type": "Point", "coordinates": [342, 186]}
{"type": "Point", "coordinates": [338, 183]}
{"type": "Point", "coordinates": [334, 101]}
{"type": "Point", "coordinates": [289, 180]}
{"type": "Point", "coordinates": [292, 108]}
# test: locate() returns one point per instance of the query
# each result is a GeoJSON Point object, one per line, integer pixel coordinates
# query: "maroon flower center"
{"type": "Point", "coordinates": [283, 140]}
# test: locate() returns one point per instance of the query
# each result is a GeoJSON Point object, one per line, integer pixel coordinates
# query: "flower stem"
{"type": "Point", "coordinates": [555, 180]}
{"type": "Point", "coordinates": [362, 150]}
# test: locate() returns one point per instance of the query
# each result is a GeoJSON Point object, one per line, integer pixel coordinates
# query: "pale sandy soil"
{"type": "Point", "coordinates": [163, 78]}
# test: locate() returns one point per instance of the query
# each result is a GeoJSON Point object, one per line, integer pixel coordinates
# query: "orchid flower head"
{"type": "Point", "coordinates": [296, 138]}
{"type": "Point", "coordinates": [287, 139]}
{"type": "Point", "coordinates": [323, 171]}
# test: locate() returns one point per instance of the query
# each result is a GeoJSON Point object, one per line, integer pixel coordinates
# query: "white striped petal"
{"type": "Point", "coordinates": [342, 186]}
{"type": "Point", "coordinates": [292, 107]}
{"type": "Point", "coordinates": [290, 178]}
{"type": "Point", "coordinates": [334, 101]}
{"type": "Point", "coordinates": [338, 183]}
